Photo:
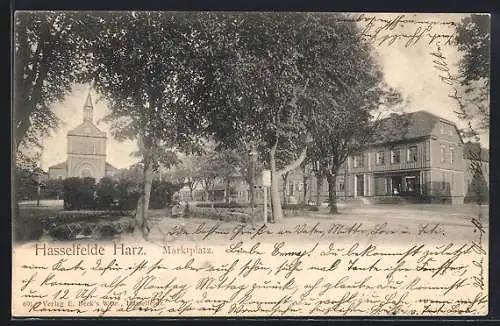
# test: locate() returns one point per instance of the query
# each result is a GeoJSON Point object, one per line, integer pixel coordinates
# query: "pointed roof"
{"type": "Point", "coordinates": [87, 128]}
{"type": "Point", "coordinates": [88, 102]}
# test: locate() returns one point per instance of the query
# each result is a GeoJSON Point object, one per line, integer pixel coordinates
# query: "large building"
{"type": "Point", "coordinates": [86, 150]}
{"type": "Point", "coordinates": [417, 156]}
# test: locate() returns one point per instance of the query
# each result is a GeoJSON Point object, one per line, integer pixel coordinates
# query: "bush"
{"type": "Point", "coordinates": [26, 228]}
{"type": "Point", "coordinates": [477, 191]}
{"type": "Point", "coordinates": [52, 189]}
{"type": "Point", "coordinates": [293, 206]}
{"type": "Point", "coordinates": [79, 193]}
{"type": "Point", "coordinates": [223, 205]}
{"type": "Point", "coordinates": [97, 229]}
{"type": "Point", "coordinates": [161, 194]}
{"type": "Point", "coordinates": [114, 195]}
{"type": "Point", "coordinates": [105, 191]}
{"type": "Point", "coordinates": [25, 184]}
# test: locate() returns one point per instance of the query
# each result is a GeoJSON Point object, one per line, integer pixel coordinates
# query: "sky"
{"type": "Point", "coordinates": [407, 68]}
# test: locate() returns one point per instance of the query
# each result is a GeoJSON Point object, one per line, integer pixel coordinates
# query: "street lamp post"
{"type": "Point", "coordinates": [253, 163]}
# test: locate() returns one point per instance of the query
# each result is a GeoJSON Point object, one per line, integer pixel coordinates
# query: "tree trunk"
{"type": "Point", "coordinates": [142, 228]}
{"type": "Point", "coordinates": [285, 181]}
{"type": "Point", "coordinates": [319, 185]}
{"type": "Point", "coordinates": [275, 195]}
{"type": "Point", "coordinates": [252, 194]}
{"type": "Point", "coordinates": [228, 191]}
{"type": "Point", "coordinates": [213, 195]}
{"type": "Point", "coordinates": [304, 194]}
{"type": "Point", "coordinates": [332, 193]}
{"type": "Point", "coordinates": [191, 193]}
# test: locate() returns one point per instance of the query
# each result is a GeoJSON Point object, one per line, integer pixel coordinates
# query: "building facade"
{"type": "Point", "coordinates": [86, 151]}
{"type": "Point", "coordinates": [416, 156]}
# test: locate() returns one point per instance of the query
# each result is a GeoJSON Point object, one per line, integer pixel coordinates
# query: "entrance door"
{"type": "Point", "coordinates": [360, 185]}
{"type": "Point", "coordinates": [397, 186]}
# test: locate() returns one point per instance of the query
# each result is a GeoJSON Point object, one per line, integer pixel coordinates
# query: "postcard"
{"type": "Point", "coordinates": [201, 164]}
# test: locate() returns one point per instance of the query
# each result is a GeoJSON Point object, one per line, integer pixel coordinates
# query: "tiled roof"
{"type": "Point", "coordinates": [61, 165]}
{"type": "Point", "coordinates": [474, 150]}
{"type": "Point", "coordinates": [399, 127]}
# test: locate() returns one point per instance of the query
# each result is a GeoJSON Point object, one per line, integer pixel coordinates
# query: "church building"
{"type": "Point", "coordinates": [86, 150]}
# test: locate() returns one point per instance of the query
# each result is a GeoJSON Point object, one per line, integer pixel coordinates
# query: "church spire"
{"type": "Point", "coordinates": [88, 109]}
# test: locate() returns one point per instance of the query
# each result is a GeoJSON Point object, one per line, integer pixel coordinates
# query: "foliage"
{"type": "Point", "coordinates": [96, 228]}
{"type": "Point", "coordinates": [144, 83]}
{"type": "Point", "coordinates": [26, 176]}
{"type": "Point", "coordinates": [473, 39]}
{"type": "Point", "coordinates": [340, 109]}
{"type": "Point", "coordinates": [105, 192]}
{"type": "Point", "coordinates": [294, 207]}
{"type": "Point", "coordinates": [474, 43]}
{"type": "Point", "coordinates": [79, 193]}
{"type": "Point", "coordinates": [161, 194]}
{"type": "Point", "coordinates": [53, 188]}
{"type": "Point", "coordinates": [51, 50]}
{"type": "Point", "coordinates": [223, 205]}
{"type": "Point", "coordinates": [108, 194]}
{"type": "Point", "coordinates": [27, 225]}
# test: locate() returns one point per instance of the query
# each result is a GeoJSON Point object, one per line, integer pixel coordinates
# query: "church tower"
{"type": "Point", "coordinates": [88, 110]}
{"type": "Point", "coordinates": [87, 147]}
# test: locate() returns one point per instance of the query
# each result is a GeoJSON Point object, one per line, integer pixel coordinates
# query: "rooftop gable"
{"type": "Point", "coordinates": [87, 128]}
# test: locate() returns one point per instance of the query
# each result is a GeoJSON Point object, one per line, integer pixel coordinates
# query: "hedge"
{"type": "Point", "coordinates": [108, 194]}
{"type": "Point", "coordinates": [97, 229]}
{"type": "Point", "coordinates": [300, 207]}
{"type": "Point", "coordinates": [223, 205]}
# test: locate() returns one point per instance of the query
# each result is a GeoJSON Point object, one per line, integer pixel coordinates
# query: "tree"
{"type": "Point", "coordinates": [265, 84]}
{"type": "Point", "coordinates": [53, 188]}
{"type": "Point", "coordinates": [294, 75]}
{"type": "Point", "coordinates": [142, 70]}
{"type": "Point", "coordinates": [51, 52]}
{"type": "Point", "coordinates": [342, 100]}
{"type": "Point", "coordinates": [474, 43]}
